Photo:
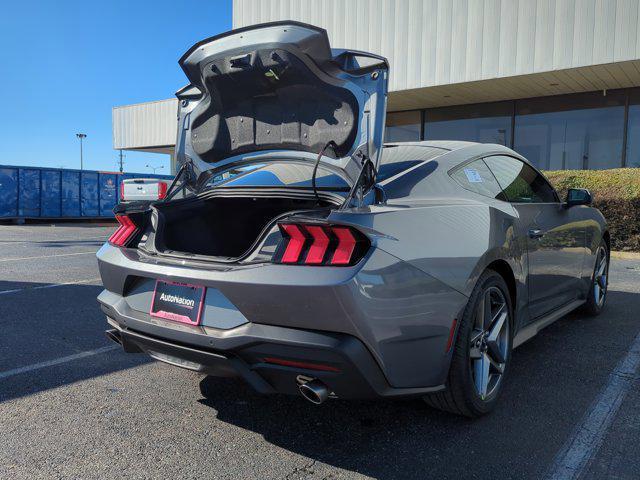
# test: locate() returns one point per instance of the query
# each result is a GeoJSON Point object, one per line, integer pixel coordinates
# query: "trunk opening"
{"type": "Point", "coordinates": [226, 227]}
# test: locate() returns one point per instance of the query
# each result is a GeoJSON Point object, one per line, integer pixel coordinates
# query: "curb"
{"type": "Point", "coordinates": [626, 255]}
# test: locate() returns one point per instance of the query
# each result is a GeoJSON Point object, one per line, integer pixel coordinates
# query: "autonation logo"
{"type": "Point", "coordinates": [185, 302]}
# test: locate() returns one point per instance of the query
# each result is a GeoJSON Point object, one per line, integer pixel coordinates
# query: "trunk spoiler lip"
{"type": "Point", "coordinates": [280, 23]}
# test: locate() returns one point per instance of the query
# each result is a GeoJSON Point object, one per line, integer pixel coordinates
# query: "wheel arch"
{"type": "Point", "coordinates": [502, 268]}
{"type": "Point", "coordinates": [606, 236]}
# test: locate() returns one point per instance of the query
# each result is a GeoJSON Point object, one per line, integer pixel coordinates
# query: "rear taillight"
{"type": "Point", "coordinates": [125, 232]}
{"type": "Point", "coordinates": [121, 190]}
{"type": "Point", "coordinates": [308, 244]}
{"type": "Point", "coordinates": [162, 190]}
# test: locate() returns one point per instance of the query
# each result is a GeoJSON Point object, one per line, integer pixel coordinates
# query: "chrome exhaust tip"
{"type": "Point", "coordinates": [114, 336]}
{"type": "Point", "coordinates": [315, 391]}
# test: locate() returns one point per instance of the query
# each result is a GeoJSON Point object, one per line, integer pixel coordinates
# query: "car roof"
{"type": "Point", "coordinates": [442, 144]}
{"type": "Point", "coordinates": [457, 150]}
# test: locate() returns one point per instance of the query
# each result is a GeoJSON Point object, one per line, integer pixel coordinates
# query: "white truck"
{"type": "Point", "coordinates": [136, 189]}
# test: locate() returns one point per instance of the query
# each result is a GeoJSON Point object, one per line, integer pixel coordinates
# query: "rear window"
{"type": "Point", "coordinates": [398, 158]}
{"type": "Point", "coordinates": [280, 175]}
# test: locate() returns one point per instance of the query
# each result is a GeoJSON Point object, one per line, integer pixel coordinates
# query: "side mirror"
{"type": "Point", "coordinates": [578, 196]}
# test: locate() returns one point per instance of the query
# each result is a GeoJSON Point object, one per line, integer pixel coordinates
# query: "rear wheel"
{"type": "Point", "coordinates": [599, 282]}
{"type": "Point", "coordinates": [481, 353]}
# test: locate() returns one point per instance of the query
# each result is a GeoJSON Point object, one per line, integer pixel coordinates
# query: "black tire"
{"type": "Point", "coordinates": [461, 396]}
{"type": "Point", "coordinates": [593, 306]}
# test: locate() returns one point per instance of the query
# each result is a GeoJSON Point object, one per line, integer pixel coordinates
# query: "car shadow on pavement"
{"type": "Point", "coordinates": [553, 379]}
{"type": "Point", "coordinates": [42, 326]}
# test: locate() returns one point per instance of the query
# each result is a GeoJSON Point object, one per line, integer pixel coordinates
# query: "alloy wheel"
{"type": "Point", "coordinates": [600, 277]}
{"type": "Point", "coordinates": [489, 342]}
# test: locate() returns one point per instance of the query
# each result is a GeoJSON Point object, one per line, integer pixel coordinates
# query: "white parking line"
{"type": "Point", "coordinates": [79, 240]}
{"type": "Point", "coordinates": [57, 361]}
{"type": "Point", "coordinates": [51, 285]}
{"type": "Point", "coordinates": [46, 256]}
{"type": "Point", "coordinates": [584, 443]}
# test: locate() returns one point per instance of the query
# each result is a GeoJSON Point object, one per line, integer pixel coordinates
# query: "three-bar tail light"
{"type": "Point", "coordinates": [125, 232]}
{"type": "Point", "coordinates": [312, 244]}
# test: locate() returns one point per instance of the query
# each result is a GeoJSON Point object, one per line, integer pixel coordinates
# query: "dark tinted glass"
{"type": "Point", "coordinates": [633, 133]}
{"type": "Point", "coordinates": [403, 127]}
{"type": "Point", "coordinates": [579, 131]}
{"type": "Point", "coordinates": [477, 177]}
{"type": "Point", "coordinates": [483, 122]}
{"type": "Point", "coordinates": [520, 182]}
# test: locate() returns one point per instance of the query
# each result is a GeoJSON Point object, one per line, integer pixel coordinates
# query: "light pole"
{"type": "Point", "coordinates": [154, 168]}
{"type": "Point", "coordinates": [81, 136]}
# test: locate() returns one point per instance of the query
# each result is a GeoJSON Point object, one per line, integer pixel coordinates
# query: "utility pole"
{"type": "Point", "coordinates": [81, 136]}
{"type": "Point", "coordinates": [121, 161]}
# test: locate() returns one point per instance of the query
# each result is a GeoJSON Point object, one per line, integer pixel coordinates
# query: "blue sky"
{"type": "Point", "coordinates": [65, 64]}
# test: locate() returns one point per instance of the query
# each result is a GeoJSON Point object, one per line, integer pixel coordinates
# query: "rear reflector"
{"type": "Point", "coordinates": [121, 190]}
{"type": "Point", "coordinates": [125, 231]}
{"type": "Point", "coordinates": [307, 244]}
{"type": "Point", "coordinates": [303, 365]}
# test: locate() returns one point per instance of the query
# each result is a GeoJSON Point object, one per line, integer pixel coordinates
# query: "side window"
{"type": "Point", "coordinates": [476, 177]}
{"type": "Point", "coordinates": [520, 182]}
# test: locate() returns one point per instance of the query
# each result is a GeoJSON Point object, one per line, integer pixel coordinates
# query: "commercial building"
{"type": "Point", "coordinates": [553, 79]}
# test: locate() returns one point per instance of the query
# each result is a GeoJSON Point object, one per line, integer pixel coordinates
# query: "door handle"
{"type": "Point", "coordinates": [536, 233]}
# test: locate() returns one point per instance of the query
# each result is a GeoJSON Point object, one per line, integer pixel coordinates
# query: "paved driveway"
{"type": "Point", "coordinates": [74, 406]}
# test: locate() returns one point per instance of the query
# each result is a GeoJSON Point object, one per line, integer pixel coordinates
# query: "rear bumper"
{"type": "Point", "coordinates": [241, 352]}
{"type": "Point", "coordinates": [396, 313]}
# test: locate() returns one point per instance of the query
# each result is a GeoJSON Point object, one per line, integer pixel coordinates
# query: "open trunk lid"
{"type": "Point", "coordinates": [278, 92]}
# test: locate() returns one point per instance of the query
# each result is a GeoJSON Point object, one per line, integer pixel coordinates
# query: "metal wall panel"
{"type": "Point", "coordinates": [70, 193]}
{"type": "Point", "coordinates": [50, 196]}
{"type": "Point", "coordinates": [440, 42]}
{"type": "Point", "coordinates": [8, 192]}
{"type": "Point", "coordinates": [29, 192]}
{"type": "Point", "coordinates": [145, 125]}
{"type": "Point", "coordinates": [109, 191]}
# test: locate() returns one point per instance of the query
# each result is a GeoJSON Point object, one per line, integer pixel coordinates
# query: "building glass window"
{"type": "Point", "coordinates": [483, 122]}
{"type": "Point", "coordinates": [568, 132]}
{"type": "Point", "coordinates": [633, 129]}
{"type": "Point", "coordinates": [402, 127]}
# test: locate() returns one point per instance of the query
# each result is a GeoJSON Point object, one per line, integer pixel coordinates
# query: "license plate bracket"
{"type": "Point", "coordinates": [179, 302]}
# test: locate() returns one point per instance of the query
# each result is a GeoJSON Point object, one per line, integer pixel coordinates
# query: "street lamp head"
{"type": "Point", "coordinates": [81, 135]}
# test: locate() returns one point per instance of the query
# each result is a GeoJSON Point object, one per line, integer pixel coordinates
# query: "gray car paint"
{"type": "Point", "coordinates": [430, 242]}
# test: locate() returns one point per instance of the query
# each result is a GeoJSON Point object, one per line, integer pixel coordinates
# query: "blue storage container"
{"type": "Point", "coordinates": [8, 192]}
{"type": "Point", "coordinates": [33, 192]}
{"type": "Point", "coordinates": [70, 193]}
{"type": "Point", "coordinates": [29, 192]}
{"type": "Point", "coordinates": [50, 186]}
{"type": "Point", "coordinates": [109, 190]}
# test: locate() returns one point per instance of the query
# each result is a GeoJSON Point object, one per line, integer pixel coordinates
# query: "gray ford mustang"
{"type": "Point", "coordinates": [298, 252]}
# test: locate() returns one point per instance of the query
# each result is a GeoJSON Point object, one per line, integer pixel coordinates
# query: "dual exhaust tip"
{"type": "Point", "coordinates": [315, 391]}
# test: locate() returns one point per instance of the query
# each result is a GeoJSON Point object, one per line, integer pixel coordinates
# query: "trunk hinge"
{"type": "Point", "coordinates": [366, 181]}
{"type": "Point", "coordinates": [186, 176]}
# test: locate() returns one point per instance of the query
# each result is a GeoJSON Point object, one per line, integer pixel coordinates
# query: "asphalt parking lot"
{"type": "Point", "coordinates": [72, 405]}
